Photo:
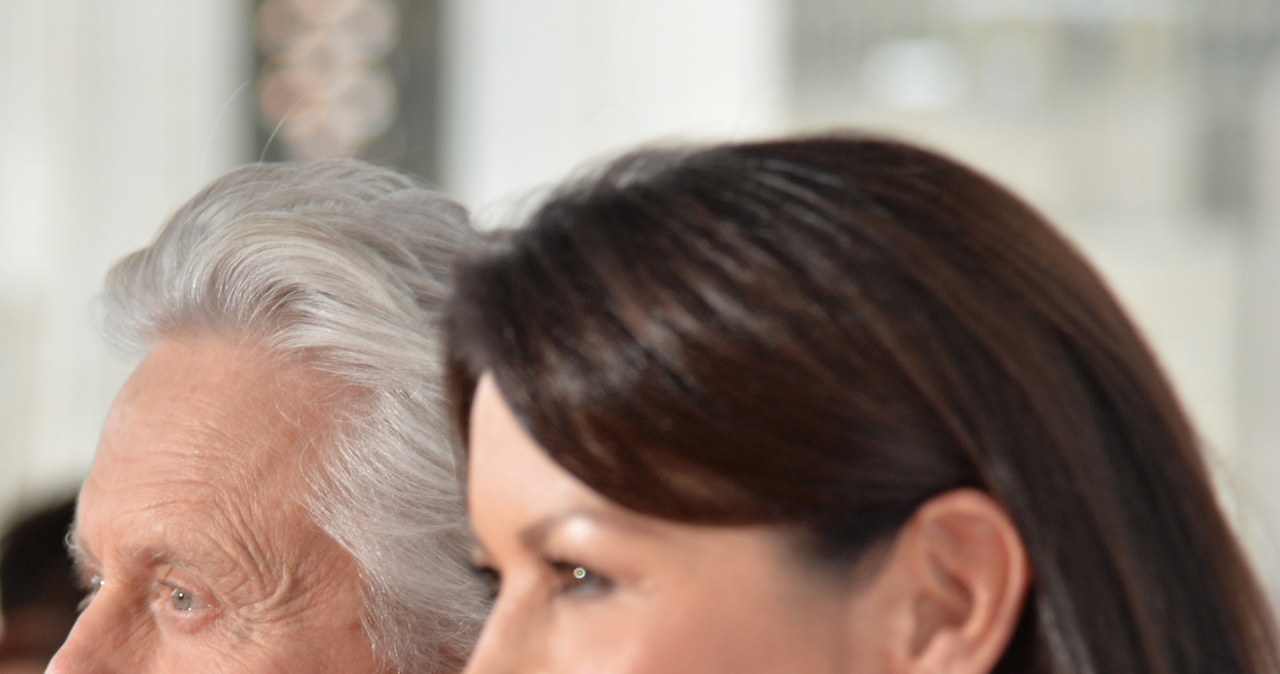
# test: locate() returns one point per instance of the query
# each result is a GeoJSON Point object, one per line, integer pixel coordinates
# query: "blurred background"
{"type": "Point", "coordinates": [1149, 130]}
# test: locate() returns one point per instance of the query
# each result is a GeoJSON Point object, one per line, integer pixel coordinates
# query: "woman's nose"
{"type": "Point", "coordinates": [510, 641]}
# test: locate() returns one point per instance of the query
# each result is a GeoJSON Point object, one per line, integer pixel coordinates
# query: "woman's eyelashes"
{"type": "Point", "coordinates": [489, 578]}
{"type": "Point", "coordinates": [566, 578]}
{"type": "Point", "coordinates": [577, 579]}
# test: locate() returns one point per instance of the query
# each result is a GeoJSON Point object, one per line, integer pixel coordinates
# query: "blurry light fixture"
{"type": "Point", "coordinates": [325, 85]}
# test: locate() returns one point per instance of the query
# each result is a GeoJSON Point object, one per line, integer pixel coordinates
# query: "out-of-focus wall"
{"type": "Point", "coordinates": [1257, 354]}
{"type": "Point", "coordinates": [111, 114]}
{"type": "Point", "coordinates": [534, 89]}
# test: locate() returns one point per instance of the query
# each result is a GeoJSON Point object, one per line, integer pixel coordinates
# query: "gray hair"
{"type": "Point", "coordinates": [343, 267]}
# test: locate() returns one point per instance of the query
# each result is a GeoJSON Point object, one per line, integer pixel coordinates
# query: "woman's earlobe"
{"type": "Point", "coordinates": [965, 573]}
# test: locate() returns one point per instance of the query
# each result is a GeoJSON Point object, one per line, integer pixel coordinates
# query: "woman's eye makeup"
{"type": "Point", "coordinates": [576, 579]}
{"type": "Point", "coordinates": [567, 578]}
{"type": "Point", "coordinates": [489, 578]}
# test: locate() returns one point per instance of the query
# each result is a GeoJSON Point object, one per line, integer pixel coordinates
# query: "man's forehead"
{"type": "Point", "coordinates": [208, 380]}
{"type": "Point", "coordinates": [204, 440]}
{"type": "Point", "coordinates": [214, 404]}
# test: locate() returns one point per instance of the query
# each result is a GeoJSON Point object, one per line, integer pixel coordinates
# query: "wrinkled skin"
{"type": "Point", "coordinates": [191, 533]}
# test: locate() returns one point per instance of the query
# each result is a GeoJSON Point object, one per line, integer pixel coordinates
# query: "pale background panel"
{"type": "Point", "coordinates": [111, 114]}
{"type": "Point", "coordinates": [535, 88]}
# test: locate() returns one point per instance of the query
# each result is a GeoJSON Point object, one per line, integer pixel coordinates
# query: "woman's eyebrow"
{"type": "Point", "coordinates": [534, 535]}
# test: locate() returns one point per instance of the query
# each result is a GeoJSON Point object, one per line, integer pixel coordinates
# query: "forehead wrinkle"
{"type": "Point", "coordinates": [254, 402]}
{"type": "Point", "coordinates": [187, 522]}
{"type": "Point", "coordinates": [148, 556]}
{"type": "Point", "coordinates": [259, 543]}
{"type": "Point", "coordinates": [257, 508]}
{"type": "Point", "coordinates": [280, 578]}
{"type": "Point", "coordinates": [272, 539]}
{"type": "Point", "coordinates": [220, 469]}
{"type": "Point", "coordinates": [214, 553]}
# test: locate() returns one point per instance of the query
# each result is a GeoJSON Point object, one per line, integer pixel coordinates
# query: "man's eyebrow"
{"type": "Point", "coordinates": [81, 558]}
{"type": "Point", "coordinates": [216, 568]}
{"type": "Point", "coordinates": [152, 556]}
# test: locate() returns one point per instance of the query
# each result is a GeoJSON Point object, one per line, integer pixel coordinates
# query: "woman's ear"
{"type": "Point", "coordinates": [952, 586]}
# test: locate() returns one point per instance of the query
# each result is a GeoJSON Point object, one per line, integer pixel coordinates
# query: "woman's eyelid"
{"type": "Point", "coordinates": [480, 558]}
{"type": "Point", "coordinates": [489, 577]}
{"type": "Point", "coordinates": [576, 578]}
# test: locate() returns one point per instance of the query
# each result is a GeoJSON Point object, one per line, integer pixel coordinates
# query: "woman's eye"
{"type": "Point", "coordinates": [578, 579]}
{"type": "Point", "coordinates": [490, 578]}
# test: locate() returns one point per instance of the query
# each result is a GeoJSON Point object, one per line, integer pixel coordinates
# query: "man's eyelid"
{"type": "Point", "coordinates": [178, 577]}
{"type": "Point", "coordinates": [198, 597]}
{"type": "Point", "coordinates": [84, 564]}
{"type": "Point", "coordinates": [84, 571]}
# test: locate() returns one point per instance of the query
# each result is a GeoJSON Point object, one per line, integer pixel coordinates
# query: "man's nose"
{"type": "Point", "coordinates": [97, 643]}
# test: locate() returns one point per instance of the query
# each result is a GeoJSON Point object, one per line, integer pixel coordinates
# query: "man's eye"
{"type": "Point", "coordinates": [90, 588]}
{"type": "Point", "coordinates": [182, 600]}
{"type": "Point", "coordinates": [179, 608]}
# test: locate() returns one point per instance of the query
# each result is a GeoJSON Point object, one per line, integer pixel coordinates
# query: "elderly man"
{"type": "Point", "coordinates": [274, 490]}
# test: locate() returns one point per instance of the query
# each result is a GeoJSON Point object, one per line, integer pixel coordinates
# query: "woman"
{"type": "Point", "coordinates": [828, 404]}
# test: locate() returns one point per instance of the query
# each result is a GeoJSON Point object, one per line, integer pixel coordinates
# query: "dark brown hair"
{"type": "Point", "coordinates": [827, 332]}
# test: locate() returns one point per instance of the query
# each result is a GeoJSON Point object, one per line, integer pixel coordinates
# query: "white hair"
{"type": "Point", "coordinates": [343, 267]}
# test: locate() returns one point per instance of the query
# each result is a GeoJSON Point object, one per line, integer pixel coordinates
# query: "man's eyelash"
{"type": "Point", "coordinates": [89, 585]}
{"type": "Point", "coordinates": [180, 597]}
